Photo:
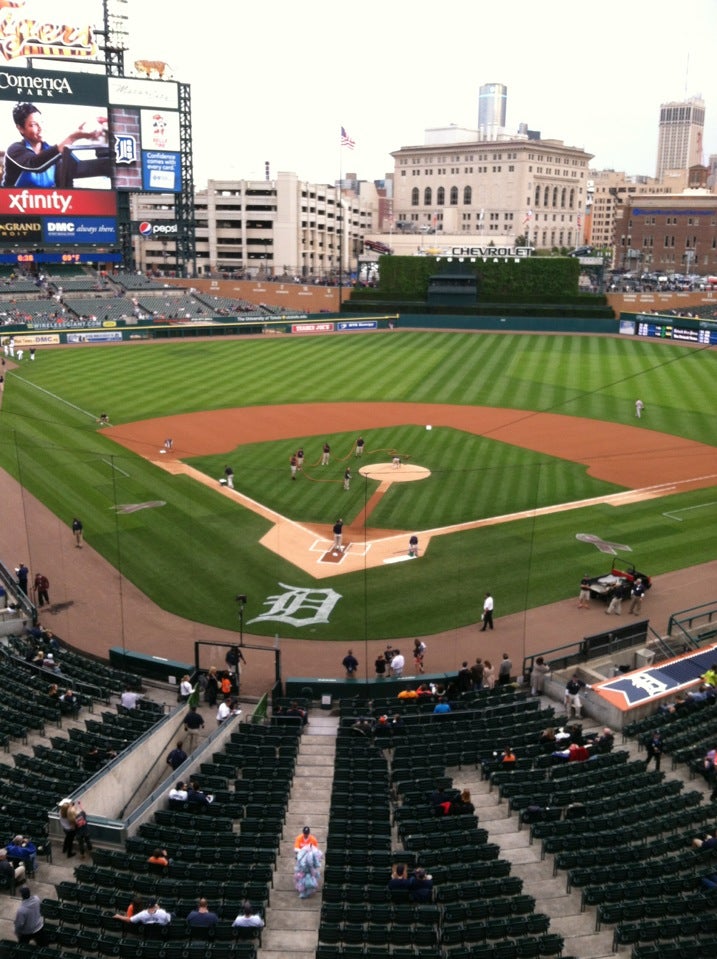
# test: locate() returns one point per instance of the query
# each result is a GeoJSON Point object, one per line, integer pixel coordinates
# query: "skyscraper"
{"type": "Point", "coordinates": [679, 145]}
{"type": "Point", "coordinates": [492, 100]}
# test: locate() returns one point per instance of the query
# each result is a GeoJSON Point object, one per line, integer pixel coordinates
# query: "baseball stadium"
{"type": "Point", "coordinates": [225, 532]}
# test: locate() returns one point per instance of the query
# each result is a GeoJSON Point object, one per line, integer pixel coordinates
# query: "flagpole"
{"type": "Point", "coordinates": [341, 226]}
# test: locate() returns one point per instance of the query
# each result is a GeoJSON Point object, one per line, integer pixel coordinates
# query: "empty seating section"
{"type": "Point", "coordinates": [56, 302]}
{"type": "Point", "coordinates": [225, 851]}
{"type": "Point", "coordinates": [98, 308]}
{"type": "Point", "coordinates": [31, 784]}
{"type": "Point", "coordinates": [223, 306]}
{"type": "Point", "coordinates": [381, 814]}
{"type": "Point", "coordinates": [171, 306]}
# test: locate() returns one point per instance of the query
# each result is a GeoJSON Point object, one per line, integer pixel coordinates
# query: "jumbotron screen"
{"type": "Point", "coordinates": [56, 159]}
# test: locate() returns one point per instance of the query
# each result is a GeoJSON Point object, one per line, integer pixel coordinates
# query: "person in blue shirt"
{"type": "Point", "coordinates": [442, 706]}
{"type": "Point", "coordinates": [32, 162]}
{"type": "Point", "coordinates": [22, 850]}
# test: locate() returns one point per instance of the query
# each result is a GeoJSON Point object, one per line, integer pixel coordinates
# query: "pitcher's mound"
{"type": "Point", "coordinates": [388, 473]}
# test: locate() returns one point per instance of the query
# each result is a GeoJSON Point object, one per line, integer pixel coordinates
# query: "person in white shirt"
{"type": "Point", "coordinates": [129, 699]}
{"type": "Point", "coordinates": [185, 689]}
{"type": "Point", "coordinates": [178, 792]}
{"type": "Point", "coordinates": [227, 709]}
{"type": "Point", "coordinates": [248, 917]}
{"type": "Point", "coordinates": [487, 612]}
{"type": "Point", "coordinates": [397, 664]}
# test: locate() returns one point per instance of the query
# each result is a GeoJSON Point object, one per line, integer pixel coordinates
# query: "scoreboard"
{"type": "Point", "coordinates": [22, 259]}
{"type": "Point", "coordinates": [655, 327]}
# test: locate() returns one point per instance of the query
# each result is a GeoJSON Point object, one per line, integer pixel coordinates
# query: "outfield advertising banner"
{"type": "Point", "coordinates": [57, 167]}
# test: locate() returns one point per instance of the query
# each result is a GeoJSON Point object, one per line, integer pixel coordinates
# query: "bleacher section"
{"type": "Point", "coordinates": [618, 831]}
{"type": "Point", "coordinates": [98, 308]}
{"type": "Point", "coordinates": [172, 307]}
{"type": "Point", "coordinates": [225, 851]}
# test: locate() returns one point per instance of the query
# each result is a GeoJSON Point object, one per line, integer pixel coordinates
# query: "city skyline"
{"type": "Point", "coordinates": [280, 89]}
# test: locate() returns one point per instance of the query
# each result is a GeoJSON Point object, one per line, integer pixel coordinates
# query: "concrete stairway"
{"type": "Point", "coordinates": [292, 924]}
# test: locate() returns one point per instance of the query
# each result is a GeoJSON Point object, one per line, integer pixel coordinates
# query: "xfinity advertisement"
{"type": "Point", "coordinates": [56, 158]}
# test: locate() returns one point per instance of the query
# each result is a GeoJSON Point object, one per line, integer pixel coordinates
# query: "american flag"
{"type": "Point", "coordinates": [528, 216]}
{"type": "Point", "coordinates": [346, 140]}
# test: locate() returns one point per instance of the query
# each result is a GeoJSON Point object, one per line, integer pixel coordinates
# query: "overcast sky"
{"type": "Point", "coordinates": [276, 81]}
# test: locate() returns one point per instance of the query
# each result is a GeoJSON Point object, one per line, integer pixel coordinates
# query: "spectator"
{"type": "Point", "coordinates": [397, 664]}
{"type": "Point", "coordinates": [201, 917]}
{"type": "Point", "coordinates": [159, 857]}
{"type": "Point", "coordinates": [29, 923]}
{"type": "Point", "coordinates": [296, 710]}
{"type": "Point", "coordinates": [196, 795]}
{"type": "Point", "coordinates": [176, 757]}
{"type": "Point", "coordinates": [538, 675]}
{"type": "Point", "coordinates": [654, 748]}
{"type": "Point", "coordinates": [226, 709]}
{"type": "Point", "coordinates": [602, 742]}
{"type": "Point", "coordinates": [248, 917]}
{"type": "Point", "coordinates": [462, 805]}
{"type": "Point", "coordinates": [9, 871]}
{"type": "Point", "coordinates": [129, 698]}
{"type": "Point", "coordinates": [178, 792]}
{"type": "Point", "coordinates": [399, 877]}
{"type": "Point", "coordinates": [185, 689]}
{"type": "Point", "coordinates": [152, 915]}
{"type": "Point", "coordinates": [442, 707]}
{"type": "Point", "coordinates": [21, 850]}
{"type": "Point", "coordinates": [420, 887]}
{"type": "Point", "coordinates": [504, 670]}
{"type": "Point", "coordinates": [706, 843]}
{"type": "Point", "coordinates": [82, 830]}
{"type": "Point", "coordinates": [70, 703]}
{"type": "Point", "coordinates": [67, 821]}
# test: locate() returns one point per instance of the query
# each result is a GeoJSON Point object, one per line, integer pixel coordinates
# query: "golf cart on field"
{"type": "Point", "coordinates": [603, 586]}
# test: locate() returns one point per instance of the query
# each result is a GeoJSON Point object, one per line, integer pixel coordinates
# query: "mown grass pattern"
{"type": "Point", "coordinates": [195, 553]}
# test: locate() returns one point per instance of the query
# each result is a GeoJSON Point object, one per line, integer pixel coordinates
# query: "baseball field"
{"type": "Point", "coordinates": [497, 451]}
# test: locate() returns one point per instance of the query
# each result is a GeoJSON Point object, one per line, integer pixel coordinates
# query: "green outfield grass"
{"type": "Point", "coordinates": [195, 553]}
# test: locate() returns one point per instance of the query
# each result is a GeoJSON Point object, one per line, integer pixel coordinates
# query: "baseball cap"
{"type": "Point", "coordinates": [306, 830]}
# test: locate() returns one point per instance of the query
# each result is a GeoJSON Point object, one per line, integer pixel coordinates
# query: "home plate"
{"type": "Point", "coordinates": [398, 559]}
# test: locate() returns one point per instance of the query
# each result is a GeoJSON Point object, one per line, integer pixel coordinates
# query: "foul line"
{"type": "Point", "coordinates": [56, 397]}
{"type": "Point", "coordinates": [673, 514]}
{"type": "Point", "coordinates": [116, 468]}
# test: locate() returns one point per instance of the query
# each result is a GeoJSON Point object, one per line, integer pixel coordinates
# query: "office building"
{"type": "Point", "coordinates": [679, 144]}
{"type": "Point", "coordinates": [497, 190]}
{"type": "Point", "coordinates": [492, 102]}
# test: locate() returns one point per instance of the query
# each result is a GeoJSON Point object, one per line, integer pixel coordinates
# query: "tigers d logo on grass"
{"type": "Point", "coordinates": [299, 606]}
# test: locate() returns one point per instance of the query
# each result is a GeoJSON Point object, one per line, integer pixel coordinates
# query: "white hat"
{"type": "Point", "coordinates": [64, 802]}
